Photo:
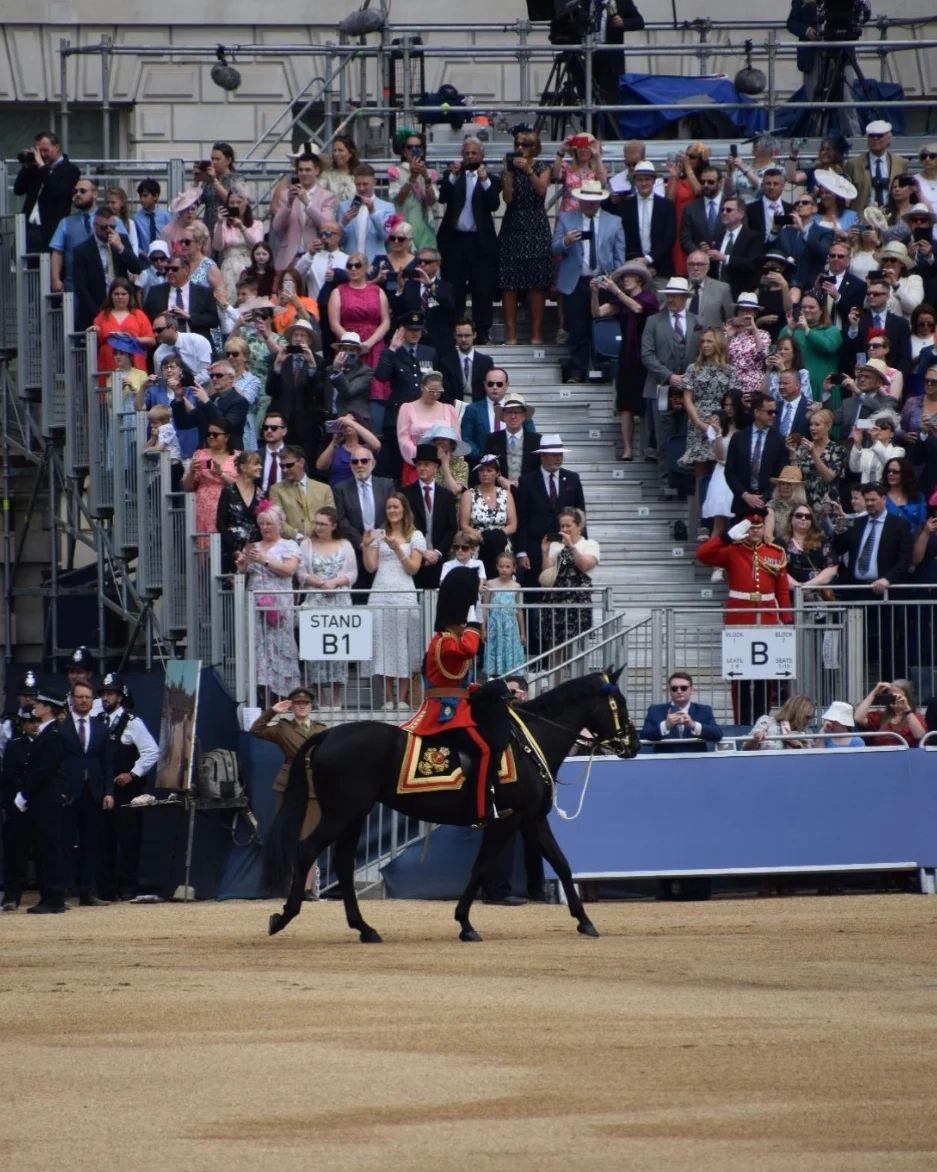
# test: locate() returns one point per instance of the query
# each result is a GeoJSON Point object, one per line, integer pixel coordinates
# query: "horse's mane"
{"type": "Point", "coordinates": [554, 702]}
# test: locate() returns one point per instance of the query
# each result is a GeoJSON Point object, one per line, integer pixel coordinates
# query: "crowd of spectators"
{"type": "Point", "coordinates": [776, 323]}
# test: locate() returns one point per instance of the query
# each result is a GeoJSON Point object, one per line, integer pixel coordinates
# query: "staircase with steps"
{"type": "Point", "coordinates": [642, 562]}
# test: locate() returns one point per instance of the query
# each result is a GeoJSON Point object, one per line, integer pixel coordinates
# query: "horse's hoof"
{"type": "Point", "coordinates": [588, 929]}
{"type": "Point", "coordinates": [370, 936]}
{"type": "Point", "coordinates": [470, 935]}
{"type": "Point", "coordinates": [276, 923]}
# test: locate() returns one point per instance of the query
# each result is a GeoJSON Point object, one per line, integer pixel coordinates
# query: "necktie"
{"type": "Point", "coordinates": [786, 418]}
{"type": "Point", "coordinates": [553, 494]}
{"type": "Point", "coordinates": [592, 254]}
{"type": "Point", "coordinates": [151, 221]}
{"type": "Point", "coordinates": [428, 502]}
{"type": "Point", "coordinates": [711, 219]}
{"type": "Point", "coordinates": [367, 504]}
{"type": "Point", "coordinates": [880, 321]}
{"type": "Point", "coordinates": [82, 734]}
{"type": "Point", "coordinates": [694, 300]}
{"type": "Point", "coordinates": [274, 470]}
{"type": "Point", "coordinates": [756, 457]}
{"type": "Point", "coordinates": [879, 182]}
{"type": "Point", "coordinates": [864, 561]}
{"type": "Point", "coordinates": [467, 373]}
{"type": "Point", "coordinates": [678, 328]}
{"type": "Point", "coordinates": [512, 441]}
{"type": "Point", "coordinates": [87, 220]}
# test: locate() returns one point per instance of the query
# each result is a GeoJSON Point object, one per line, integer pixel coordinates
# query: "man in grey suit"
{"type": "Point", "coordinates": [360, 505]}
{"type": "Point", "coordinates": [590, 242]}
{"type": "Point", "coordinates": [710, 300]}
{"type": "Point", "coordinates": [669, 345]}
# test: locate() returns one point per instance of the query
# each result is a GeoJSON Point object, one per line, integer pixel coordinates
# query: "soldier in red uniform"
{"type": "Point", "coordinates": [759, 594]}
{"type": "Point", "coordinates": [478, 727]}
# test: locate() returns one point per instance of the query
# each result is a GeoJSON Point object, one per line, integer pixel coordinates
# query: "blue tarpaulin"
{"type": "Point", "coordinates": [696, 95]}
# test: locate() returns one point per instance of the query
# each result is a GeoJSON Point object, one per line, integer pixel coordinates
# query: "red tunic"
{"type": "Point", "coordinates": [448, 661]}
{"type": "Point", "coordinates": [760, 573]}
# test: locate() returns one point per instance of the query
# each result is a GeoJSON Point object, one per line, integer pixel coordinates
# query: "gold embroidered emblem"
{"type": "Point", "coordinates": [433, 762]}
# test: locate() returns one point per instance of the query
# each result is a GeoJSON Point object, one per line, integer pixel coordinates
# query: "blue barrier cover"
{"type": "Point", "coordinates": [696, 95]}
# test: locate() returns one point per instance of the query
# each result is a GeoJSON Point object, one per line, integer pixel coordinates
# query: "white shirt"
{"type": "Point", "coordinates": [136, 733]}
{"type": "Point", "coordinates": [645, 212]}
{"type": "Point", "coordinates": [193, 349]}
{"type": "Point", "coordinates": [773, 207]}
{"type": "Point", "coordinates": [313, 266]}
{"type": "Point", "coordinates": [787, 409]}
{"type": "Point", "coordinates": [466, 220]}
{"type": "Point", "coordinates": [695, 727]}
{"type": "Point", "coordinates": [590, 224]}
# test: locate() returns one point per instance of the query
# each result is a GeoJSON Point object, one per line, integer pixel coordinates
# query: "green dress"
{"type": "Point", "coordinates": [820, 347]}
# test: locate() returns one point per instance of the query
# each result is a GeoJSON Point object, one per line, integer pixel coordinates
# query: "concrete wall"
{"type": "Point", "coordinates": [173, 107]}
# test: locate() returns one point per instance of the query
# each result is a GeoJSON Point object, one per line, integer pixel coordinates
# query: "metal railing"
{"type": "Point", "coordinates": [81, 362]}
{"type": "Point", "coordinates": [101, 441]}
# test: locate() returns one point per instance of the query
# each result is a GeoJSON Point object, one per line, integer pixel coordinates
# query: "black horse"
{"type": "Point", "coordinates": [356, 765]}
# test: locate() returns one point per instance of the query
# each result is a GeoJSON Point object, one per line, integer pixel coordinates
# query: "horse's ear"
{"type": "Point", "coordinates": [614, 673]}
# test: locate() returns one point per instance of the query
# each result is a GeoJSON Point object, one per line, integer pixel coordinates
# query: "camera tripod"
{"type": "Point", "coordinates": [832, 87]}
{"type": "Point", "coordinates": [566, 86]}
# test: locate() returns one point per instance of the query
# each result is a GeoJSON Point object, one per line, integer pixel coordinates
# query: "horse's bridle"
{"type": "Point", "coordinates": [618, 743]}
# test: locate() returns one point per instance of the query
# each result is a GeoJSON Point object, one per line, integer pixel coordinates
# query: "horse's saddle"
{"type": "Point", "coordinates": [434, 764]}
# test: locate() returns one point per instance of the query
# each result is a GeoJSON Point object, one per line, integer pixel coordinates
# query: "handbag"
{"type": "Point", "coordinates": [271, 614]}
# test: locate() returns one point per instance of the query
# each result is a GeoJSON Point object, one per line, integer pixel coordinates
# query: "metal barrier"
{"type": "Point", "coordinates": [56, 314]}
{"type": "Point", "coordinates": [385, 834]}
{"type": "Point", "coordinates": [814, 736]}
{"type": "Point", "coordinates": [152, 486]}
{"type": "Point", "coordinates": [174, 608]}
{"type": "Point", "coordinates": [81, 358]}
{"type": "Point", "coordinates": [8, 282]}
{"type": "Point", "coordinates": [28, 308]}
{"type": "Point", "coordinates": [125, 427]}
{"type": "Point", "coordinates": [101, 441]}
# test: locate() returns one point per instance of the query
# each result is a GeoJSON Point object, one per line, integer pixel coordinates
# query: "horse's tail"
{"type": "Point", "coordinates": [283, 836]}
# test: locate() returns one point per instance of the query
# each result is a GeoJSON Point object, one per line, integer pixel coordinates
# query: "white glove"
{"type": "Point", "coordinates": [740, 531]}
{"type": "Point", "coordinates": [472, 616]}
{"type": "Point", "coordinates": [20, 802]}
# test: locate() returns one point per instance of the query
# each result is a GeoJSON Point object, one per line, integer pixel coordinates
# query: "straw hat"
{"type": "Point", "coordinates": [590, 189]}
{"type": "Point", "coordinates": [551, 444]}
{"type": "Point", "coordinates": [747, 301]}
{"type": "Point", "coordinates": [895, 250]}
{"type": "Point", "coordinates": [678, 285]}
{"type": "Point", "coordinates": [919, 209]}
{"type": "Point", "coordinates": [878, 367]}
{"type": "Point", "coordinates": [790, 474]}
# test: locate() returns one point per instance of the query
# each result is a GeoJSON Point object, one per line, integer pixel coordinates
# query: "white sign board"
{"type": "Point", "coordinates": [338, 634]}
{"type": "Point", "coordinates": [759, 653]}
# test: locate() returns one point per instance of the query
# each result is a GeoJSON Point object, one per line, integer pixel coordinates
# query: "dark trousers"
{"type": "Point", "coordinates": [470, 270]}
{"type": "Point", "coordinates": [577, 314]}
{"type": "Point", "coordinates": [17, 834]}
{"type": "Point", "coordinates": [81, 824]}
{"type": "Point", "coordinates": [120, 844]}
{"type": "Point", "coordinates": [496, 882]}
{"type": "Point", "coordinates": [46, 810]}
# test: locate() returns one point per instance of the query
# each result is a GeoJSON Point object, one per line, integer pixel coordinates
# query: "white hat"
{"type": "Point", "coordinates": [444, 431]}
{"type": "Point", "coordinates": [877, 367]}
{"type": "Point", "coordinates": [645, 167]}
{"type": "Point", "coordinates": [841, 712]}
{"type": "Point", "coordinates": [833, 181]}
{"type": "Point", "coordinates": [514, 399]}
{"type": "Point", "coordinates": [159, 246]}
{"type": "Point", "coordinates": [678, 285]}
{"type": "Point", "coordinates": [590, 189]}
{"type": "Point", "coordinates": [747, 301]}
{"type": "Point", "coordinates": [347, 340]}
{"type": "Point", "coordinates": [879, 126]}
{"type": "Point", "coordinates": [551, 444]}
{"type": "Point", "coordinates": [919, 209]}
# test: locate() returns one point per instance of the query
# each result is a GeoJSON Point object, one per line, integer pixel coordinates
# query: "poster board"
{"type": "Point", "coordinates": [177, 724]}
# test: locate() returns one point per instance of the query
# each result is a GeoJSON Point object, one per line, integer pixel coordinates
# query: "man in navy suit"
{"type": "Point", "coordinates": [876, 316]}
{"type": "Point", "coordinates": [792, 405]}
{"type": "Point", "coordinates": [843, 290]}
{"type": "Point", "coordinates": [739, 251]}
{"type": "Point", "coordinates": [540, 497]}
{"type": "Point", "coordinates": [649, 222]}
{"type": "Point", "coordinates": [590, 242]}
{"type": "Point", "coordinates": [467, 238]}
{"type": "Point", "coordinates": [473, 365]}
{"type": "Point", "coordinates": [95, 263]}
{"type": "Point", "coordinates": [480, 419]}
{"type": "Point", "coordinates": [681, 719]}
{"type": "Point", "coordinates": [86, 779]}
{"type": "Point", "coordinates": [761, 213]}
{"type": "Point", "coordinates": [755, 454]}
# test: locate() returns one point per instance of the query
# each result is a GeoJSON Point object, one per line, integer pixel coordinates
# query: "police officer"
{"type": "Point", "coordinates": [17, 826]}
{"type": "Point", "coordinates": [80, 670]}
{"type": "Point", "coordinates": [133, 753]}
{"type": "Point", "coordinates": [40, 796]}
{"type": "Point", "coordinates": [11, 724]}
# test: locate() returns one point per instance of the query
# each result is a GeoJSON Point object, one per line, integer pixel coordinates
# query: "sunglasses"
{"type": "Point", "coordinates": [398, 238]}
{"type": "Point", "coordinates": [272, 427]}
{"type": "Point", "coordinates": [926, 322]}
{"type": "Point", "coordinates": [233, 353]}
{"type": "Point", "coordinates": [489, 383]}
{"type": "Point", "coordinates": [322, 235]}
{"type": "Point", "coordinates": [216, 374]}
{"type": "Point", "coordinates": [427, 260]}
{"type": "Point", "coordinates": [679, 687]}
{"type": "Point", "coordinates": [214, 434]}
{"type": "Point", "coordinates": [186, 240]}
{"type": "Point", "coordinates": [291, 464]}
{"type": "Point", "coordinates": [355, 265]}
{"type": "Point", "coordinates": [362, 460]}
{"type": "Point", "coordinates": [930, 382]}
{"type": "Point", "coordinates": [927, 155]}
{"type": "Point", "coordinates": [876, 346]}
{"type": "Point", "coordinates": [802, 516]}
{"type": "Point", "coordinates": [177, 268]}
{"type": "Point", "coordinates": [804, 201]}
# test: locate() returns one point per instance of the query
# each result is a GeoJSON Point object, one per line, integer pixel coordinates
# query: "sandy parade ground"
{"type": "Point", "coordinates": [747, 1034]}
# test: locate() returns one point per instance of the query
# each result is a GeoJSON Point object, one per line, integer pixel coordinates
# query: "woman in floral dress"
{"type": "Point", "coordinates": [747, 345]}
{"type": "Point", "coordinates": [823, 462]}
{"type": "Point", "coordinates": [327, 566]}
{"type": "Point", "coordinates": [706, 384]}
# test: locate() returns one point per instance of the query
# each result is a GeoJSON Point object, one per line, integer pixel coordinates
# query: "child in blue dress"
{"type": "Point", "coordinates": [503, 627]}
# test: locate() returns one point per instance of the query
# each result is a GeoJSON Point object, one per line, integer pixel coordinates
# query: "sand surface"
{"type": "Point", "coordinates": [771, 1034]}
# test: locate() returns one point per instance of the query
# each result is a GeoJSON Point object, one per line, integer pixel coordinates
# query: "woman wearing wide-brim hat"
{"type": "Point", "coordinates": [184, 210]}
{"type": "Point", "coordinates": [629, 294]}
{"type": "Point", "coordinates": [787, 495]}
{"type": "Point", "coordinates": [907, 288]}
{"type": "Point", "coordinates": [834, 192]}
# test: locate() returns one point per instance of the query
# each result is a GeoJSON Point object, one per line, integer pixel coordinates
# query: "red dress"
{"type": "Point", "coordinates": [136, 323]}
{"type": "Point", "coordinates": [446, 665]}
{"type": "Point", "coordinates": [360, 312]}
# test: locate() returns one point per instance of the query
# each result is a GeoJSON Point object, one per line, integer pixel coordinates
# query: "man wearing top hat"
{"type": "Point", "coordinates": [40, 795]}
{"type": "Point", "coordinates": [133, 754]}
{"type": "Point", "coordinates": [872, 171]}
{"type": "Point", "coordinates": [589, 242]}
{"type": "Point", "coordinates": [434, 514]}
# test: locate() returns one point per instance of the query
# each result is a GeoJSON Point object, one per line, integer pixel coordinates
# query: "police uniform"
{"type": "Point", "coordinates": [40, 792]}
{"type": "Point", "coordinates": [289, 735]}
{"type": "Point", "coordinates": [759, 595]}
{"type": "Point", "coordinates": [133, 751]}
{"type": "Point", "coordinates": [11, 723]}
{"type": "Point", "coordinates": [17, 825]}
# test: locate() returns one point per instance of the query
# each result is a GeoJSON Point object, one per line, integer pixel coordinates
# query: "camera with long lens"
{"type": "Point", "coordinates": [26, 158]}
{"type": "Point", "coordinates": [841, 20]}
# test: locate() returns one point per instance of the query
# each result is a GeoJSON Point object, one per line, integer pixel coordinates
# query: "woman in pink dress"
{"type": "Point", "coordinates": [586, 163]}
{"type": "Point", "coordinates": [361, 307]}
{"type": "Point", "coordinates": [416, 418]}
{"type": "Point", "coordinates": [210, 469]}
